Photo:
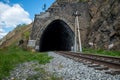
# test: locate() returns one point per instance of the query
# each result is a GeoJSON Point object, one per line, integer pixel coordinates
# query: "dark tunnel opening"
{"type": "Point", "coordinates": [57, 36]}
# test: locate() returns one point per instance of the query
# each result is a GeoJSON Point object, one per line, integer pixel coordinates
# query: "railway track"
{"type": "Point", "coordinates": [111, 65]}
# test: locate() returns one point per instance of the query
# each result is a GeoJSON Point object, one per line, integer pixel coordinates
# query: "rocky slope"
{"type": "Point", "coordinates": [17, 34]}
{"type": "Point", "coordinates": [104, 30]}
{"type": "Point", "coordinates": [103, 16]}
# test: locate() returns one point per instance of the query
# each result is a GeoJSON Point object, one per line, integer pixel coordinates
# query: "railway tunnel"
{"type": "Point", "coordinates": [57, 36]}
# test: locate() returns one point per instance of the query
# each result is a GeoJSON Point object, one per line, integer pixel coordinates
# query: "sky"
{"type": "Point", "coordinates": [15, 12]}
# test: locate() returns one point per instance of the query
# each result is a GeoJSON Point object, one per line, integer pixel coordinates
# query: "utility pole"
{"type": "Point", "coordinates": [75, 46]}
{"type": "Point", "coordinates": [77, 30]}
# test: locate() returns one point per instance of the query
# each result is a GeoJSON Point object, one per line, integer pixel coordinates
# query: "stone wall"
{"type": "Point", "coordinates": [63, 12]}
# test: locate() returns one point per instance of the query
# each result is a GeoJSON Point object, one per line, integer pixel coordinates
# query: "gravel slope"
{"type": "Point", "coordinates": [71, 70]}
{"type": "Point", "coordinates": [60, 67]}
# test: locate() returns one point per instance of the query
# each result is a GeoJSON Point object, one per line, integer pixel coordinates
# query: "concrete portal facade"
{"type": "Point", "coordinates": [54, 29]}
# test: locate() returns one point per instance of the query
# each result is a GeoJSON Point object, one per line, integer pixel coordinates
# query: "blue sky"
{"type": "Point", "coordinates": [15, 12]}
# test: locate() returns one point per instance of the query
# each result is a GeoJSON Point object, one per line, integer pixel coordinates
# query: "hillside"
{"type": "Point", "coordinates": [20, 32]}
{"type": "Point", "coordinates": [104, 30]}
{"type": "Point", "coordinates": [103, 18]}
{"type": "Point", "coordinates": [99, 23]}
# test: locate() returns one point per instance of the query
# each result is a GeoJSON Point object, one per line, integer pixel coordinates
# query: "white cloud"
{"type": "Point", "coordinates": [1, 30]}
{"type": "Point", "coordinates": [11, 16]}
{"type": "Point", "coordinates": [2, 33]}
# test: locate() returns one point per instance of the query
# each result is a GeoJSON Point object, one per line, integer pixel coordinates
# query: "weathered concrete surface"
{"type": "Point", "coordinates": [99, 21]}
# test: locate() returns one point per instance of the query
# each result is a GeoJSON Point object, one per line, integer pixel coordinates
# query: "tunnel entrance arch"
{"type": "Point", "coordinates": [57, 36]}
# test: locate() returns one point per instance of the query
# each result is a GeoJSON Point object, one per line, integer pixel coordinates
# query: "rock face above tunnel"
{"type": "Point", "coordinates": [104, 30]}
{"type": "Point", "coordinates": [99, 21]}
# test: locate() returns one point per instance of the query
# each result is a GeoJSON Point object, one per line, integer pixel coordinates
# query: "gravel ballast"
{"type": "Point", "coordinates": [61, 67]}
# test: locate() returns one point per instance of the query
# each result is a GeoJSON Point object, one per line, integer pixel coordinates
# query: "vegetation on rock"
{"type": "Point", "coordinates": [102, 52]}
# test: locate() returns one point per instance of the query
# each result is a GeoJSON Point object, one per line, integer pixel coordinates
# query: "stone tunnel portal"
{"type": "Point", "coordinates": [57, 36]}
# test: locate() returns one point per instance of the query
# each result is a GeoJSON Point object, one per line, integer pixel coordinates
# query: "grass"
{"type": "Point", "coordinates": [11, 56]}
{"type": "Point", "coordinates": [26, 34]}
{"type": "Point", "coordinates": [102, 52]}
